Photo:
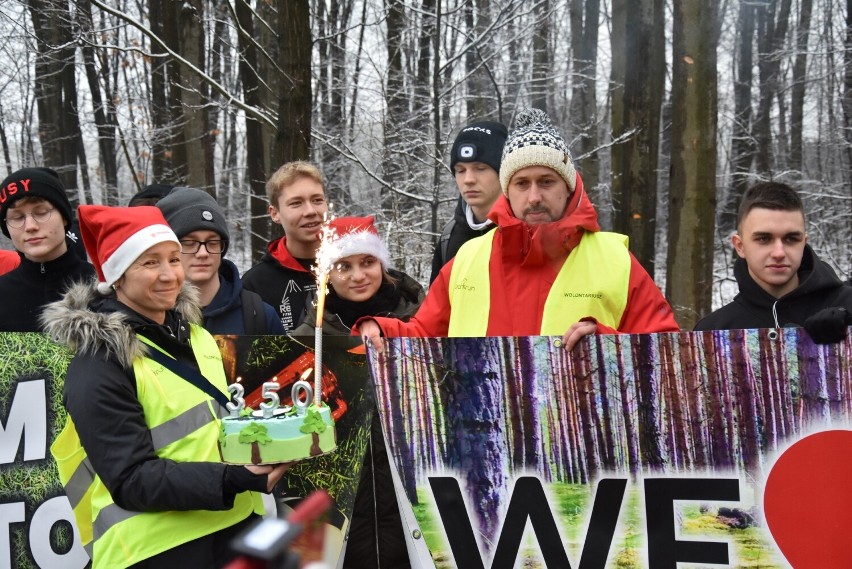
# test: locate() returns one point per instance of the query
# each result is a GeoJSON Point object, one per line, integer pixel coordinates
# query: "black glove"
{"type": "Point", "coordinates": [828, 325]}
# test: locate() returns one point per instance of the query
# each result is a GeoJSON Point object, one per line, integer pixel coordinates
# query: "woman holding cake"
{"type": "Point", "coordinates": [144, 393]}
{"type": "Point", "coordinates": [362, 284]}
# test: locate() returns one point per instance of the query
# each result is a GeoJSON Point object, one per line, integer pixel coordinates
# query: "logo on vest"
{"type": "Point", "coordinates": [597, 295]}
{"type": "Point", "coordinates": [464, 286]}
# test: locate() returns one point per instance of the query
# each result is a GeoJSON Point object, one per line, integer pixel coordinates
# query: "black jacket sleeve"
{"type": "Point", "coordinates": [100, 396]}
{"type": "Point", "coordinates": [437, 262]}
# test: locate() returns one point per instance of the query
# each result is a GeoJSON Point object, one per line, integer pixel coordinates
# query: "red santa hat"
{"type": "Point", "coordinates": [116, 236]}
{"type": "Point", "coordinates": [357, 236]}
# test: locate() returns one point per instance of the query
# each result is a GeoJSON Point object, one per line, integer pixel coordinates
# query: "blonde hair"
{"type": "Point", "coordinates": [287, 175]}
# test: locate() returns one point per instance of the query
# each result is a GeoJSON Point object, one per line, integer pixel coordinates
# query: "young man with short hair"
{"type": "Point", "coordinates": [283, 277]}
{"type": "Point", "coordinates": [475, 164]}
{"type": "Point", "coordinates": [782, 282]}
{"type": "Point", "coordinates": [36, 215]}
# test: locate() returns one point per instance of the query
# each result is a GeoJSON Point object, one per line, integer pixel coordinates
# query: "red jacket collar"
{"type": "Point", "coordinates": [278, 250]}
{"type": "Point", "coordinates": [553, 241]}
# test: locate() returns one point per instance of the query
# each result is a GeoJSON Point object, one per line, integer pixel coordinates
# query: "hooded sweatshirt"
{"type": "Point", "coordinates": [525, 260]}
{"type": "Point", "coordinates": [819, 287]}
{"type": "Point", "coordinates": [224, 314]}
{"type": "Point", "coordinates": [283, 282]}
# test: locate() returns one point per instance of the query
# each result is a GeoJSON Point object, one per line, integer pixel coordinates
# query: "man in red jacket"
{"type": "Point", "coordinates": [546, 270]}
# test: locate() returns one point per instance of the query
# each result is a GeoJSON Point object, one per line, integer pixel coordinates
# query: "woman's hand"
{"type": "Point", "coordinates": [273, 472]}
{"type": "Point", "coordinates": [371, 332]}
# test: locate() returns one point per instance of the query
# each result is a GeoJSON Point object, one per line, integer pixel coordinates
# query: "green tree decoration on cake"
{"type": "Point", "coordinates": [315, 425]}
{"type": "Point", "coordinates": [257, 435]}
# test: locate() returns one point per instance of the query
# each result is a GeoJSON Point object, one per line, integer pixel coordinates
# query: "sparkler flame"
{"type": "Point", "coordinates": [324, 263]}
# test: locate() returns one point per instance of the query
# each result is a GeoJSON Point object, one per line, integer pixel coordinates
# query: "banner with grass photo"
{"type": "Point", "coordinates": [36, 528]}
{"type": "Point", "coordinates": [729, 448]}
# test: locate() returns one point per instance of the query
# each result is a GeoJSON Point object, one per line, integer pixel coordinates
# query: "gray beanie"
{"type": "Point", "coordinates": [190, 209]}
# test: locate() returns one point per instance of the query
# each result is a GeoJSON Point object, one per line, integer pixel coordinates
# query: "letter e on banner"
{"type": "Point", "coordinates": [27, 409]}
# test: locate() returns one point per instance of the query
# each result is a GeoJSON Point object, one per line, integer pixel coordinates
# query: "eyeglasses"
{"type": "Point", "coordinates": [19, 219]}
{"type": "Point", "coordinates": [191, 246]}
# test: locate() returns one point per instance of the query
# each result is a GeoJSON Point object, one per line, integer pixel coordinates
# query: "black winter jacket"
{"type": "Point", "coordinates": [819, 287]}
{"type": "Point", "coordinates": [100, 396]}
{"type": "Point", "coordinates": [460, 233]}
{"type": "Point", "coordinates": [283, 282]}
{"type": "Point", "coordinates": [410, 295]}
{"type": "Point", "coordinates": [376, 536]}
{"type": "Point", "coordinates": [25, 290]}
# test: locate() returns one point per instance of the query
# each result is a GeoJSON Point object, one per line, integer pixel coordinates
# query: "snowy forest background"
{"type": "Point", "coordinates": [671, 107]}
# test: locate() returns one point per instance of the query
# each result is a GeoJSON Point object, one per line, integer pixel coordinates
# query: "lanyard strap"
{"type": "Point", "coordinates": [191, 375]}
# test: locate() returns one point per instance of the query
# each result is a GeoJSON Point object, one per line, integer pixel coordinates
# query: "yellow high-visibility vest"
{"type": "Point", "coordinates": [184, 426]}
{"type": "Point", "coordinates": [593, 281]}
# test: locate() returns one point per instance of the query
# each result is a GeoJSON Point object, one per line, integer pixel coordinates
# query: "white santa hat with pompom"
{"type": "Point", "coordinates": [357, 236]}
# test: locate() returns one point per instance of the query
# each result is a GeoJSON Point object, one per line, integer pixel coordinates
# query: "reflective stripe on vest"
{"type": "Point", "coordinates": [77, 477]}
{"type": "Point", "coordinates": [184, 428]}
{"type": "Point", "coordinates": [573, 295]}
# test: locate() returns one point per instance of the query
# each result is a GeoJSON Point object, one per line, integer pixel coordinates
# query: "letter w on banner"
{"type": "Point", "coordinates": [731, 448]}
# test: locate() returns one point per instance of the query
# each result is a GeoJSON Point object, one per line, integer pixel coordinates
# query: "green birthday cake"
{"type": "Point", "coordinates": [274, 435]}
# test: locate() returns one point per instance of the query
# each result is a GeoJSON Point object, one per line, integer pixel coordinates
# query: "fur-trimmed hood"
{"type": "Point", "coordinates": [87, 321]}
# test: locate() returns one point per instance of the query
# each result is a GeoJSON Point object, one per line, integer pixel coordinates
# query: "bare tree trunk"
{"type": "Point", "coordinates": [56, 90]}
{"type": "Point", "coordinates": [194, 93]}
{"type": "Point", "coordinates": [636, 204]}
{"type": "Point", "coordinates": [771, 33]}
{"type": "Point", "coordinates": [584, 45]}
{"type": "Point", "coordinates": [847, 95]}
{"type": "Point", "coordinates": [693, 170]}
{"type": "Point", "coordinates": [395, 97]}
{"type": "Point", "coordinates": [105, 119]}
{"type": "Point", "coordinates": [797, 104]}
{"type": "Point", "coordinates": [480, 84]}
{"type": "Point", "coordinates": [618, 73]}
{"type": "Point", "coordinates": [161, 163]}
{"type": "Point", "coordinates": [742, 139]}
{"type": "Point", "coordinates": [293, 141]}
{"type": "Point", "coordinates": [255, 150]}
{"type": "Point", "coordinates": [542, 59]}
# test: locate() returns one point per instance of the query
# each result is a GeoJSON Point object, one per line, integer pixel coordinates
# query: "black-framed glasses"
{"type": "Point", "coordinates": [18, 219]}
{"type": "Point", "coordinates": [192, 246]}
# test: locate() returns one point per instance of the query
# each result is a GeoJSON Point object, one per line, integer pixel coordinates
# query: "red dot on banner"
{"type": "Point", "coordinates": [807, 501]}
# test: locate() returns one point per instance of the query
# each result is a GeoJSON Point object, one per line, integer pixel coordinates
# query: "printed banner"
{"type": "Point", "coordinates": [35, 516]}
{"type": "Point", "coordinates": [729, 448]}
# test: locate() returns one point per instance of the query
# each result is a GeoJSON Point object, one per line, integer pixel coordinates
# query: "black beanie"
{"type": "Point", "coordinates": [479, 142]}
{"type": "Point", "coordinates": [34, 182]}
{"type": "Point", "coordinates": [150, 195]}
{"type": "Point", "coordinates": [190, 209]}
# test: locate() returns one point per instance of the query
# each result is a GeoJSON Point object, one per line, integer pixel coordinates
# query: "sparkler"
{"type": "Point", "coordinates": [322, 269]}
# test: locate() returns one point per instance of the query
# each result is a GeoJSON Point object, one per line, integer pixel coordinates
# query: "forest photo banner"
{"type": "Point", "coordinates": [728, 447]}
{"type": "Point", "coordinates": [36, 519]}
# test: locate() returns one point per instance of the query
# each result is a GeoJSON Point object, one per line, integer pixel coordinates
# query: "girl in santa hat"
{"type": "Point", "coordinates": [138, 455]}
{"type": "Point", "coordinates": [362, 284]}
{"type": "Point", "coordinates": [360, 281]}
